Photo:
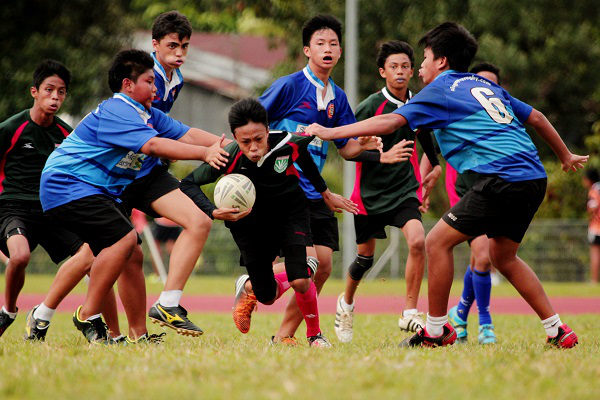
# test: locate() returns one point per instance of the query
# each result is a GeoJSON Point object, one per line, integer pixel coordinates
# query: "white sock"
{"type": "Point", "coordinates": [435, 325]}
{"type": "Point", "coordinates": [410, 311]}
{"type": "Point", "coordinates": [345, 306]}
{"type": "Point", "coordinates": [551, 325]}
{"type": "Point", "coordinates": [43, 312]}
{"type": "Point", "coordinates": [94, 317]}
{"type": "Point", "coordinates": [12, 315]}
{"type": "Point", "coordinates": [170, 298]}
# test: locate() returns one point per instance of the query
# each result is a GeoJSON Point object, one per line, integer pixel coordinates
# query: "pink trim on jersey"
{"type": "Point", "coordinates": [414, 160]}
{"type": "Point", "coordinates": [295, 153]}
{"type": "Point", "coordinates": [451, 176]}
{"type": "Point", "coordinates": [13, 141]}
{"type": "Point", "coordinates": [63, 130]}
{"type": "Point", "coordinates": [355, 196]}
{"type": "Point", "coordinates": [235, 160]}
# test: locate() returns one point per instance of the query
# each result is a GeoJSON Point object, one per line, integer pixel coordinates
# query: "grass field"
{"type": "Point", "coordinates": [226, 364]}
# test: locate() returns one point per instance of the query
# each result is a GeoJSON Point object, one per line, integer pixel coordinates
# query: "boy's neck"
{"type": "Point", "coordinates": [400, 94]}
{"type": "Point", "coordinates": [40, 117]}
{"type": "Point", "coordinates": [321, 73]}
{"type": "Point", "coordinates": [168, 72]}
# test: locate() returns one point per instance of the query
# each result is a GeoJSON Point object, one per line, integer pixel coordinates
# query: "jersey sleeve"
{"type": "Point", "coordinates": [123, 128]}
{"type": "Point", "coordinates": [427, 109]}
{"type": "Point", "coordinates": [274, 99]}
{"type": "Point", "coordinates": [168, 127]}
{"type": "Point", "coordinates": [306, 163]}
{"type": "Point", "coordinates": [522, 110]}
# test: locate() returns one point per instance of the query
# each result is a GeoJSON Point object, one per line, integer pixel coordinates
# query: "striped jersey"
{"type": "Point", "coordinates": [295, 101]}
{"type": "Point", "coordinates": [24, 149]}
{"type": "Point", "coordinates": [102, 155]}
{"type": "Point", "coordinates": [478, 126]}
{"type": "Point", "coordinates": [166, 90]}
{"type": "Point", "coordinates": [378, 187]}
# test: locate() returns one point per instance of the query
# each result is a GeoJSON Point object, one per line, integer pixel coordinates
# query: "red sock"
{"type": "Point", "coordinates": [307, 302]}
{"type": "Point", "coordinates": [282, 283]}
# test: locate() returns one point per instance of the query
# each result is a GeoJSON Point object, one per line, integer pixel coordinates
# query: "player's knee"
{"type": "Point", "coordinates": [417, 245]}
{"type": "Point", "coordinates": [199, 225]}
{"type": "Point", "coordinates": [19, 260]}
{"type": "Point", "coordinates": [300, 285]}
{"type": "Point", "coordinates": [265, 294]}
{"type": "Point", "coordinates": [360, 266]}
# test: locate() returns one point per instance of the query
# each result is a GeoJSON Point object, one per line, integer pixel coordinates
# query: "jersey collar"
{"type": "Point", "coordinates": [399, 103]}
{"type": "Point", "coordinates": [446, 72]}
{"type": "Point", "coordinates": [329, 95]}
{"type": "Point", "coordinates": [176, 79]}
{"type": "Point", "coordinates": [141, 110]}
{"type": "Point", "coordinates": [277, 147]}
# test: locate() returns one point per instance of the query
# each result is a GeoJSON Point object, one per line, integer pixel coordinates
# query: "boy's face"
{"type": "Point", "coordinates": [142, 90]}
{"type": "Point", "coordinates": [50, 95]}
{"type": "Point", "coordinates": [431, 67]}
{"type": "Point", "coordinates": [490, 76]}
{"type": "Point", "coordinates": [171, 51]}
{"type": "Point", "coordinates": [397, 71]}
{"type": "Point", "coordinates": [252, 139]}
{"type": "Point", "coordinates": [324, 50]}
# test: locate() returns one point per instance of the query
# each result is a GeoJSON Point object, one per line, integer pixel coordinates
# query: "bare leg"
{"type": "Point", "coordinates": [415, 262]}
{"type": "Point", "coordinates": [366, 249]}
{"type": "Point", "coordinates": [503, 253]}
{"type": "Point", "coordinates": [594, 263]}
{"type": "Point", "coordinates": [69, 275]}
{"type": "Point", "coordinates": [480, 254]}
{"type": "Point", "coordinates": [132, 291]}
{"type": "Point", "coordinates": [18, 250]}
{"type": "Point", "coordinates": [439, 244]}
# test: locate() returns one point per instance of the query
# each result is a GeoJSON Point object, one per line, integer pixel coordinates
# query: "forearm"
{"type": "Point", "coordinates": [173, 149]}
{"type": "Point", "coordinates": [351, 149]}
{"type": "Point", "coordinates": [378, 125]}
{"type": "Point", "coordinates": [201, 138]}
{"type": "Point", "coordinates": [367, 156]}
{"type": "Point", "coordinates": [193, 191]}
{"type": "Point", "coordinates": [426, 141]}
{"type": "Point", "coordinates": [546, 131]}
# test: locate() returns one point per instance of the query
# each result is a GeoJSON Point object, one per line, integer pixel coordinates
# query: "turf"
{"type": "Point", "coordinates": [226, 364]}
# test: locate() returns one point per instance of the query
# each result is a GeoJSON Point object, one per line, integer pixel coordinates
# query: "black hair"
{"type": "Point", "coordinates": [592, 174]}
{"type": "Point", "coordinates": [452, 41]}
{"type": "Point", "coordinates": [321, 22]}
{"type": "Point", "coordinates": [245, 111]}
{"type": "Point", "coordinates": [49, 68]}
{"type": "Point", "coordinates": [488, 67]}
{"type": "Point", "coordinates": [128, 64]}
{"type": "Point", "coordinates": [394, 47]}
{"type": "Point", "coordinates": [171, 22]}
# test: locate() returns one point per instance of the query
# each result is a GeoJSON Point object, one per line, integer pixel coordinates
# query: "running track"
{"type": "Point", "coordinates": [364, 304]}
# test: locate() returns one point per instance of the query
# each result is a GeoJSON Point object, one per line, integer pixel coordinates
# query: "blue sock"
{"type": "Point", "coordinates": [482, 285]}
{"type": "Point", "coordinates": [468, 295]}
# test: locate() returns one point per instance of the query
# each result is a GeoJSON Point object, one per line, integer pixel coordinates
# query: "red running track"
{"type": "Point", "coordinates": [364, 304]}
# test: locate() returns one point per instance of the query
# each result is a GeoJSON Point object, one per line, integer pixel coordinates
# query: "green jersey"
{"type": "Point", "coordinates": [24, 149]}
{"type": "Point", "coordinates": [379, 188]}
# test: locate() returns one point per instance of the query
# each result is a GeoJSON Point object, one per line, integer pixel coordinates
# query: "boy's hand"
{"type": "Point", "coordinates": [230, 214]}
{"type": "Point", "coordinates": [429, 183]}
{"type": "Point", "coordinates": [315, 129]}
{"type": "Point", "coordinates": [215, 155]}
{"type": "Point", "coordinates": [399, 152]}
{"type": "Point", "coordinates": [337, 203]}
{"type": "Point", "coordinates": [573, 162]}
{"type": "Point", "coordinates": [370, 143]}
{"type": "Point", "coordinates": [424, 207]}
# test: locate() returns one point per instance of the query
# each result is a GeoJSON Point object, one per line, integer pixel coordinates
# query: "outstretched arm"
{"type": "Point", "coordinates": [214, 155]}
{"type": "Point", "coordinates": [355, 147]}
{"type": "Point", "coordinates": [201, 137]}
{"type": "Point", "coordinates": [379, 125]}
{"type": "Point", "coordinates": [543, 127]}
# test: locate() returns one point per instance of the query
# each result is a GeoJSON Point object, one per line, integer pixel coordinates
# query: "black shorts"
{"type": "Point", "coordinates": [497, 208]}
{"type": "Point", "coordinates": [163, 233]}
{"type": "Point", "coordinates": [27, 219]}
{"type": "Point", "coordinates": [142, 192]}
{"type": "Point", "coordinates": [323, 225]}
{"type": "Point", "coordinates": [373, 226]}
{"type": "Point", "coordinates": [97, 220]}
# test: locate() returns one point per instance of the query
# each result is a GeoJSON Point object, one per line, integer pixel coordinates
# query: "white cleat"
{"type": "Point", "coordinates": [343, 322]}
{"type": "Point", "coordinates": [411, 323]}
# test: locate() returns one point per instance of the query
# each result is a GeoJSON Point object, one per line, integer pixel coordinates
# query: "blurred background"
{"type": "Point", "coordinates": [548, 52]}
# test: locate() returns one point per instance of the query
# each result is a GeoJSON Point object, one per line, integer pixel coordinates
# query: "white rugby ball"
{"type": "Point", "coordinates": [235, 191]}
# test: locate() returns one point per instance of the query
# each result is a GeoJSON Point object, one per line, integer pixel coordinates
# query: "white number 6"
{"type": "Point", "coordinates": [493, 105]}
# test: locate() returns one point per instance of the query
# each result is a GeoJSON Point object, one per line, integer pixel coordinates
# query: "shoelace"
{"type": "Point", "coordinates": [249, 305]}
{"type": "Point", "coordinates": [346, 320]}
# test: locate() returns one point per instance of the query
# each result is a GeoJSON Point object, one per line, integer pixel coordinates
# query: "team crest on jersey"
{"type": "Point", "coordinates": [131, 161]}
{"type": "Point", "coordinates": [330, 110]}
{"type": "Point", "coordinates": [281, 164]}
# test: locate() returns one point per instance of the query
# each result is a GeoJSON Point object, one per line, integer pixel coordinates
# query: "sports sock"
{"type": "Point", "coordinates": [435, 325]}
{"type": "Point", "coordinates": [410, 311]}
{"type": "Point", "coordinates": [551, 325]}
{"type": "Point", "coordinates": [308, 305]}
{"type": "Point", "coordinates": [12, 315]}
{"type": "Point", "coordinates": [282, 282]}
{"type": "Point", "coordinates": [468, 295]}
{"type": "Point", "coordinates": [170, 298]}
{"type": "Point", "coordinates": [43, 312]}
{"type": "Point", "coordinates": [482, 286]}
{"type": "Point", "coordinates": [345, 306]}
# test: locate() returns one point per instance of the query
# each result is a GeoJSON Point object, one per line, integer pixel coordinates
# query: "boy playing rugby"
{"type": "Point", "coordinates": [479, 127]}
{"type": "Point", "coordinates": [279, 219]}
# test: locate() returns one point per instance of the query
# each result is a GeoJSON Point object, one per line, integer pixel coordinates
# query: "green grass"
{"type": "Point", "coordinates": [215, 285]}
{"type": "Point", "coordinates": [224, 364]}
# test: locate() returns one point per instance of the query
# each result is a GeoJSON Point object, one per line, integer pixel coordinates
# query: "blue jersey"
{"type": "Point", "coordinates": [166, 90]}
{"type": "Point", "coordinates": [478, 126]}
{"type": "Point", "coordinates": [101, 156]}
{"type": "Point", "coordinates": [295, 101]}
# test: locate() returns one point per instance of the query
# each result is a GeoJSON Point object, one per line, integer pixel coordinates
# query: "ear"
{"type": "Point", "coordinates": [155, 44]}
{"type": "Point", "coordinates": [306, 51]}
{"type": "Point", "coordinates": [442, 63]}
{"type": "Point", "coordinates": [34, 92]}
{"type": "Point", "coordinates": [382, 72]}
{"type": "Point", "coordinates": [412, 71]}
{"type": "Point", "coordinates": [127, 85]}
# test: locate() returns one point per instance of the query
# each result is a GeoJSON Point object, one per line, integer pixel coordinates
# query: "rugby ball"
{"type": "Point", "coordinates": [235, 191]}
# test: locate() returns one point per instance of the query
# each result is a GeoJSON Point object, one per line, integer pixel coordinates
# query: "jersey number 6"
{"type": "Point", "coordinates": [492, 105]}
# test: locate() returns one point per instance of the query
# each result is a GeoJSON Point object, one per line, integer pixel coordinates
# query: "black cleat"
{"type": "Point", "coordinates": [5, 321]}
{"type": "Point", "coordinates": [146, 339]}
{"type": "Point", "coordinates": [35, 329]}
{"type": "Point", "coordinates": [422, 338]}
{"type": "Point", "coordinates": [95, 331]}
{"type": "Point", "coordinates": [175, 318]}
